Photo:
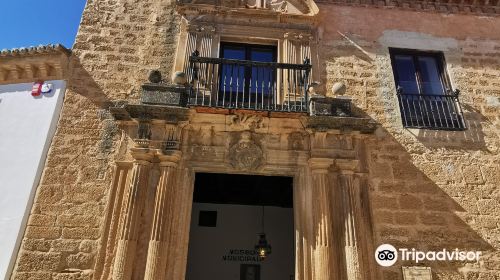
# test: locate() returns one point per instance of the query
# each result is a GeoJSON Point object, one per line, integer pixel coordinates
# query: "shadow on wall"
{"type": "Point", "coordinates": [83, 83]}
{"type": "Point", "coordinates": [472, 138]}
{"type": "Point", "coordinates": [412, 210]}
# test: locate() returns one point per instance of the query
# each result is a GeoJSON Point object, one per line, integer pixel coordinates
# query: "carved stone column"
{"type": "Point", "coordinates": [134, 203]}
{"type": "Point", "coordinates": [349, 192]}
{"type": "Point", "coordinates": [324, 263]}
{"type": "Point", "coordinates": [158, 244]}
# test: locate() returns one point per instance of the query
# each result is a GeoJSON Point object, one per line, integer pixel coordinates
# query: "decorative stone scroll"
{"type": "Point", "coordinates": [246, 121]}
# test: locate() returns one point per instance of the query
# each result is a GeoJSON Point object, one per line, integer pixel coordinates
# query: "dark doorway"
{"type": "Point", "coordinates": [229, 212]}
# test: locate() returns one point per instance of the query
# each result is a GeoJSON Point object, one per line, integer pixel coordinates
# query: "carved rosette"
{"type": "Point", "coordinates": [246, 154]}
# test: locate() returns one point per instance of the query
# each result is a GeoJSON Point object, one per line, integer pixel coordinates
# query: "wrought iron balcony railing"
{"type": "Point", "coordinates": [243, 84]}
{"type": "Point", "coordinates": [431, 111]}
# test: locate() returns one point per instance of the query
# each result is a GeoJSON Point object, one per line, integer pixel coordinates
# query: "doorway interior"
{"type": "Point", "coordinates": [229, 215]}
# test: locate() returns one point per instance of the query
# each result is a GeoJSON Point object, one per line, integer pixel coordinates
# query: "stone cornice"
{"type": "Point", "coordinates": [475, 7]}
{"type": "Point", "coordinates": [41, 63]}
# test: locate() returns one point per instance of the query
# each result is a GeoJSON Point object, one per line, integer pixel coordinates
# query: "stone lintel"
{"type": "Point", "coordinates": [344, 124]}
{"type": "Point", "coordinates": [170, 114]}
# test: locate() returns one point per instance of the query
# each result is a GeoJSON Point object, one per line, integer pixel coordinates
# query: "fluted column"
{"type": "Point", "coordinates": [158, 243]}
{"type": "Point", "coordinates": [136, 194]}
{"type": "Point", "coordinates": [351, 215]}
{"type": "Point", "coordinates": [324, 246]}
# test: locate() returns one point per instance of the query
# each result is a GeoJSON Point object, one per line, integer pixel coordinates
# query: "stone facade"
{"type": "Point", "coordinates": [109, 174]}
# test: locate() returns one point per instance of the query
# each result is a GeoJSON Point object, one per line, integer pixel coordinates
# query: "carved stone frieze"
{"type": "Point", "coordinates": [203, 152]}
{"type": "Point", "coordinates": [246, 154]}
{"type": "Point", "coordinates": [298, 36]}
{"type": "Point", "coordinates": [201, 28]}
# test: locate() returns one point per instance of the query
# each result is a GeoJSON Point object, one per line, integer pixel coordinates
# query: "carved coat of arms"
{"type": "Point", "coordinates": [245, 155]}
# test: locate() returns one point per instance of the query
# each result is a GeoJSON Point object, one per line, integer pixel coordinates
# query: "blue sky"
{"type": "Point", "coordinates": [25, 23]}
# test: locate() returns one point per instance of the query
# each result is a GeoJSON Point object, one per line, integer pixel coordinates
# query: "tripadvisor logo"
{"type": "Point", "coordinates": [387, 255]}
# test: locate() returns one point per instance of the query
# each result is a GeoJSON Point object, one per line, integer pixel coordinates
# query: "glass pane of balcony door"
{"type": "Point", "coordinates": [243, 81]}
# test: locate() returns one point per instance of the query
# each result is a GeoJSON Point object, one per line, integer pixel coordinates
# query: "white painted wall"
{"type": "Point", "coordinates": [237, 228]}
{"type": "Point", "coordinates": [27, 125]}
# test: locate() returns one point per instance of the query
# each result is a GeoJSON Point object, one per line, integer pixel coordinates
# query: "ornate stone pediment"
{"type": "Point", "coordinates": [246, 154]}
{"type": "Point", "coordinates": [292, 7]}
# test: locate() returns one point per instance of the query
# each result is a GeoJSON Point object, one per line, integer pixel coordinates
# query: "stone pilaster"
{"type": "Point", "coordinates": [133, 205]}
{"type": "Point", "coordinates": [158, 243]}
{"type": "Point", "coordinates": [324, 263]}
{"type": "Point", "coordinates": [349, 192]}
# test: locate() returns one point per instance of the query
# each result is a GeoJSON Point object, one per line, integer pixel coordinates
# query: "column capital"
{"type": "Point", "coordinates": [142, 155]}
{"type": "Point", "coordinates": [347, 166]}
{"type": "Point", "coordinates": [320, 165]}
{"type": "Point", "coordinates": [171, 158]}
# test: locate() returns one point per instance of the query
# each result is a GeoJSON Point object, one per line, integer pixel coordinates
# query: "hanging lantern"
{"type": "Point", "coordinates": [263, 248]}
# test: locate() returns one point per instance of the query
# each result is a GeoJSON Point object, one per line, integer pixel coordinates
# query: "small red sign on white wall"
{"type": "Point", "coordinates": [37, 89]}
{"type": "Point", "coordinates": [41, 88]}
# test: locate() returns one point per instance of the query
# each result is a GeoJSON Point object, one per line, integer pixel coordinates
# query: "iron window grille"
{"type": "Point", "coordinates": [426, 99]}
{"type": "Point", "coordinates": [248, 77]}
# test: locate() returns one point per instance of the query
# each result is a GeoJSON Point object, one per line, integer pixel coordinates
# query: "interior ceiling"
{"type": "Point", "coordinates": [243, 189]}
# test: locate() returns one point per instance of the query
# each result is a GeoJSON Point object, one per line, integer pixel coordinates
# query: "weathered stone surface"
{"type": "Point", "coordinates": [426, 189]}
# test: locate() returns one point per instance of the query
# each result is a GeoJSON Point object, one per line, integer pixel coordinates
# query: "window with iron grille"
{"type": "Point", "coordinates": [426, 99]}
{"type": "Point", "coordinates": [237, 79]}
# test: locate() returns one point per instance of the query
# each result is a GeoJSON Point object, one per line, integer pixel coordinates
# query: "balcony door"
{"type": "Point", "coordinates": [246, 78]}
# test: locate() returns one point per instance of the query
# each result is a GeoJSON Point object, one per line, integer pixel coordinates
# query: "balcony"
{"type": "Point", "coordinates": [431, 111]}
{"type": "Point", "coordinates": [244, 84]}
